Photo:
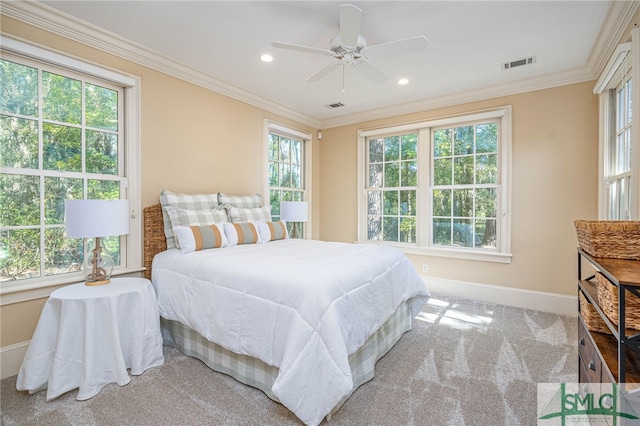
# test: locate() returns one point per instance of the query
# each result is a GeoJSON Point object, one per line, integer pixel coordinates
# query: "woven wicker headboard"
{"type": "Point", "coordinates": [154, 239]}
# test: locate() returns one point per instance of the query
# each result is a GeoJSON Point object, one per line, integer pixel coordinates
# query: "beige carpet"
{"type": "Point", "coordinates": [464, 363]}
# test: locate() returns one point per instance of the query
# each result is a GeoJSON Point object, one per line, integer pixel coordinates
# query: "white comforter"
{"type": "Point", "coordinates": [302, 306]}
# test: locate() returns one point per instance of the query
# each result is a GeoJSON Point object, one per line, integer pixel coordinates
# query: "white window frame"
{"type": "Point", "coordinates": [306, 138]}
{"type": "Point", "coordinates": [422, 247]}
{"type": "Point", "coordinates": [625, 57]}
{"type": "Point", "coordinates": [29, 289]}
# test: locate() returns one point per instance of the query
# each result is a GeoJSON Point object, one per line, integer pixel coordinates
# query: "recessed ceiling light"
{"type": "Point", "coordinates": [403, 81]}
{"type": "Point", "coordinates": [266, 58]}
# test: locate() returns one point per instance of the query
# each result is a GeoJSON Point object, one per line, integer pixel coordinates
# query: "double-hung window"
{"type": "Point", "coordinates": [287, 169]}
{"type": "Point", "coordinates": [618, 154]}
{"type": "Point", "coordinates": [439, 187]}
{"type": "Point", "coordinates": [63, 135]}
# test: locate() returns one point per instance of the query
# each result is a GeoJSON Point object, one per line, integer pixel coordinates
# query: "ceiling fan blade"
{"type": "Point", "coordinates": [350, 18]}
{"type": "Point", "coordinates": [408, 45]}
{"type": "Point", "coordinates": [370, 72]}
{"type": "Point", "coordinates": [299, 48]}
{"type": "Point", "coordinates": [323, 72]}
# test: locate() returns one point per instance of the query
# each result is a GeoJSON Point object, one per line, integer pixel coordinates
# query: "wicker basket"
{"type": "Point", "coordinates": [591, 317]}
{"type": "Point", "coordinates": [608, 301]}
{"type": "Point", "coordinates": [619, 239]}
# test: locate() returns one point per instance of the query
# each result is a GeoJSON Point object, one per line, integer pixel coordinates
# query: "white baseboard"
{"type": "Point", "coordinates": [11, 358]}
{"type": "Point", "coordinates": [541, 301]}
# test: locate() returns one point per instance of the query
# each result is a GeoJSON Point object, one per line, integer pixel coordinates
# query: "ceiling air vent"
{"type": "Point", "coordinates": [520, 62]}
{"type": "Point", "coordinates": [335, 105]}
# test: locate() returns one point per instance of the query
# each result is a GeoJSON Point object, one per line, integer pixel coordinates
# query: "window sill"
{"type": "Point", "coordinates": [14, 292]}
{"type": "Point", "coordinates": [478, 255]}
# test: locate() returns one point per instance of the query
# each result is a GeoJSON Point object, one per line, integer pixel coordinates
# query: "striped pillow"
{"type": "Point", "coordinates": [242, 233]}
{"type": "Point", "coordinates": [270, 231]}
{"type": "Point", "coordinates": [196, 238]}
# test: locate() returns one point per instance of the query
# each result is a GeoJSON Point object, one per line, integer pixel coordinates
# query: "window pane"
{"type": "Point", "coordinates": [487, 169]}
{"type": "Point", "coordinates": [442, 143]}
{"type": "Point", "coordinates": [390, 229]}
{"type": "Point", "coordinates": [296, 180]}
{"type": "Point", "coordinates": [285, 150]}
{"type": "Point", "coordinates": [486, 202]}
{"type": "Point", "coordinates": [285, 176]}
{"type": "Point", "coordinates": [463, 140]}
{"type": "Point", "coordinates": [62, 148]}
{"type": "Point", "coordinates": [374, 228]}
{"type": "Point", "coordinates": [463, 202]}
{"type": "Point", "coordinates": [463, 233]}
{"type": "Point", "coordinates": [273, 173]}
{"type": "Point", "coordinates": [376, 151]}
{"type": "Point", "coordinates": [442, 232]}
{"type": "Point", "coordinates": [408, 203]}
{"type": "Point", "coordinates": [391, 175]}
{"type": "Point", "coordinates": [19, 200]}
{"type": "Point", "coordinates": [56, 190]}
{"type": "Point", "coordinates": [273, 147]}
{"type": "Point", "coordinates": [19, 94]}
{"type": "Point", "coordinates": [390, 203]}
{"type": "Point", "coordinates": [18, 143]}
{"type": "Point", "coordinates": [409, 146]}
{"type": "Point", "coordinates": [62, 254]}
{"type": "Point", "coordinates": [374, 203]}
{"type": "Point", "coordinates": [442, 168]}
{"type": "Point", "coordinates": [61, 98]}
{"type": "Point", "coordinates": [101, 107]}
{"type": "Point", "coordinates": [102, 152]}
{"type": "Point", "coordinates": [486, 233]}
{"type": "Point", "coordinates": [442, 202]}
{"type": "Point", "coordinates": [19, 254]}
{"type": "Point", "coordinates": [487, 137]}
{"type": "Point", "coordinates": [392, 148]}
{"type": "Point", "coordinates": [409, 173]}
{"type": "Point", "coordinates": [103, 189]}
{"type": "Point", "coordinates": [112, 245]}
{"type": "Point", "coordinates": [375, 175]}
{"type": "Point", "coordinates": [463, 170]}
{"type": "Point", "coordinates": [296, 152]}
{"type": "Point", "coordinates": [408, 229]}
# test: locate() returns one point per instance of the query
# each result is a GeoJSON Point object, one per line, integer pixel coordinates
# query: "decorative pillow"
{"type": "Point", "coordinates": [270, 231]}
{"type": "Point", "coordinates": [241, 233]}
{"type": "Point", "coordinates": [184, 217]}
{"type": "Point", "coordinates": [183, 201]}
{"type": "Point", "coordinates": [241, 201]}
{"type": "Point", "coordinates": [196, 238]}
{"type": "Point", "coordinates": [246, 215]}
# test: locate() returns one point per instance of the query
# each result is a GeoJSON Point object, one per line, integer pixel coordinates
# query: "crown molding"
{"type": "Point", "coordinates": [49, 19]}
{"type": "Point", "coordinates": [610, 35]}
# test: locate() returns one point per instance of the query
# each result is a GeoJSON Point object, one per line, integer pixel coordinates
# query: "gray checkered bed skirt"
{"type": "Point", "coordinates": [253, 372]}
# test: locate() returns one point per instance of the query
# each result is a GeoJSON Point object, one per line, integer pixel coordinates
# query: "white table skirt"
{"type": "Point", "coordinates": [89, 336]}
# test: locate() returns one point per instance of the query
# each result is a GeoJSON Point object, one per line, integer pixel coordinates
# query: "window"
{"type": "Point", "coordinates": [619, 183]}
{"type": "Point", "coordinates": [439, 187]}
{"type": "Point", "coordinates": [63, 135]}
{"type": "Point", "coordinates": [287, 169]}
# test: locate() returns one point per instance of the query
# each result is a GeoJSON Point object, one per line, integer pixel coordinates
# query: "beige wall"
{"type": "Point", "coordinates": [193, 140]}
{"type": "Point", "coordinates": [554, 169]}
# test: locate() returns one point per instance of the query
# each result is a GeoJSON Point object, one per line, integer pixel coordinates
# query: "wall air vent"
{"type": "Point", "coordinates": [518, 63]}
{"type": "Point", "coordinates": [335, 105]}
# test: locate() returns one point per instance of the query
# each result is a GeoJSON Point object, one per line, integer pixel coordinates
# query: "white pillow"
{"type": "Point", "coordinates": [200, 237]}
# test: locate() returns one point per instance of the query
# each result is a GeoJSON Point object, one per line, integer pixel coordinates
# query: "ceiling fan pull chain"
{"type": "Point", "coordinates": [344, 92]}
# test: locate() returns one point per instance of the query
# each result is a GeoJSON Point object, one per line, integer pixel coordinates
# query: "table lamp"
{"type": "Point", "coordinates": [96, 219]}
{"type": "Point", "coordinates": [294, 211]}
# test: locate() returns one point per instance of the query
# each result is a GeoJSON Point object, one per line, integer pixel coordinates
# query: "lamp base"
{"type": "Point", "coordinates": [95, 283]}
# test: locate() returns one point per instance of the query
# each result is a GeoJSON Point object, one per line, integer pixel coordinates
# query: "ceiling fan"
{"type": "Point", "coordinates": [350, 48]}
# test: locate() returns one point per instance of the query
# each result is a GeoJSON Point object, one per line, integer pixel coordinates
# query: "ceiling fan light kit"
{"type": "Point", "coordinates": [349, 47]}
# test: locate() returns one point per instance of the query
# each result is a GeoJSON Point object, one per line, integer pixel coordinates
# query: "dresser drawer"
{"type": "Point", "coordinates": [588, 354]}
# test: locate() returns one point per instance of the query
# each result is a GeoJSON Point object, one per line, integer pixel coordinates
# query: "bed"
{"type": "Point", "coordinates": [304, 321]}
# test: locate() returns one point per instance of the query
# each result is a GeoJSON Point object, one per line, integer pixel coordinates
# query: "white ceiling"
{"type": "Point", "coordinates": [468, 42]}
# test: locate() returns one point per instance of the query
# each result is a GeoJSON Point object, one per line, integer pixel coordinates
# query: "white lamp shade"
{"type": "Point", "coordinates": [294, 211]}
{"type": "Point", "coordinates": [96, 218]}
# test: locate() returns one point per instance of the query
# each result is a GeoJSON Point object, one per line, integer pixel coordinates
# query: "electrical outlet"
{"type": "Point", "coordinates": [425, 268]}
